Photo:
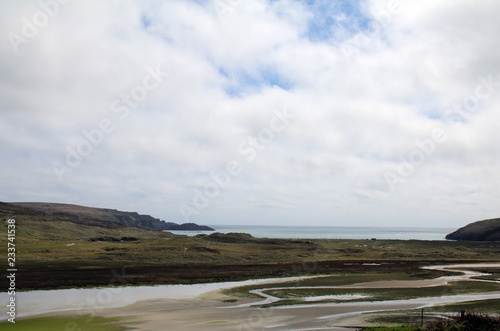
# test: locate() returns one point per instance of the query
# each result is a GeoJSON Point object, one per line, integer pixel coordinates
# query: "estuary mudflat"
{"type": "Point", "coordinates": [211, 306]}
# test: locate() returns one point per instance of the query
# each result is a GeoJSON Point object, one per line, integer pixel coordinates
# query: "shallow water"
{"type": "Point", "coordinates": [37, 302]}
{"type": "Point", "coordinates": [466, 275]}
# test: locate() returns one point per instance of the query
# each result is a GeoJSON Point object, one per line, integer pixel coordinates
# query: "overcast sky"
{"type": "Point", "coordinates": [342, 113]}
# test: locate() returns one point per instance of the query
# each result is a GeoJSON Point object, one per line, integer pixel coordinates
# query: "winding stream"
{"type": "Point", "coordinates": [467, 275]}
{"type": "Point", "coordinates": [352, 309]}
{"type": "Point", "coordinates": [38, 302]}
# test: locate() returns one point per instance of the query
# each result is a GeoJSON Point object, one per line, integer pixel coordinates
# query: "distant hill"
{"type": "Point", "coordinates": [107, 218]}
{"type": "Point", "coordinates": [487, 230]}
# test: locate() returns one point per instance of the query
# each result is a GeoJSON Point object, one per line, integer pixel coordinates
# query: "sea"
{"type": "Point", "coordinates": [330, 232]}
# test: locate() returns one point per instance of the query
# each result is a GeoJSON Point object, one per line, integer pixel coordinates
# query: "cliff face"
{"type": "Point", "coordinates": [487, 230]}
{"type": "Point", "coordinates": [108, 218]}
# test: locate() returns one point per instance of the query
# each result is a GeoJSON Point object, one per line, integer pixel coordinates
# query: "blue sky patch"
{"type": "Point", "coordinates": [334, 19]}
{"type": "Point", "coordinates": [145, 21]}
{"type": "Point", "coordinates": [242, 81]}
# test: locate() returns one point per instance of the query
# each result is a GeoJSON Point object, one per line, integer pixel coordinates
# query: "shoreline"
{"type": "Point", "coordinates": [329, 232]}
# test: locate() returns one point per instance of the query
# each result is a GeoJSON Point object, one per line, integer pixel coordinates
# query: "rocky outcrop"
{"type": "Point", "coordinates": [187, 227]}
{"type": "Point", "coordinates": [487, 230]}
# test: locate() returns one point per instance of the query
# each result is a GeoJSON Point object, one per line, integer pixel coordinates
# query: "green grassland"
{"type": "Point", "coordinates": [486, 306]}
{"type": "Point", "coordinates": [382, 294]}
{"type": "Point", "coordinates": [409, 316]}
{"type": "Point", "coordinates": [81, 323]}
{"type": "Point", "coordinates": [294, 294]}
{"type": "Point", "coordinates": [331, 280]}
{"type": "Point", "coordinates": [65, 243]}
{"type": "Point", "coordinates": [480, 313]}
{"type": "Point", "coordinates": [57, 247]}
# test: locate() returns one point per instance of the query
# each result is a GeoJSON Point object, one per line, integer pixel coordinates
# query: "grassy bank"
{"type": "Point", "coordinates": [66, 243]}
{"type": "Point", "coordinates": [382, 294]}
{"type": "Point", "coordinates": [464, 320]}
{"type": "Point", "coordinates": [81, 323]}
{"type": "Point", "coordinates": [56, 253]}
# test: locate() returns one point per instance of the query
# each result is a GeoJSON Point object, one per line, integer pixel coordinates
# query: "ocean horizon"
{"type": "Point", "coordinates": [330, 232]}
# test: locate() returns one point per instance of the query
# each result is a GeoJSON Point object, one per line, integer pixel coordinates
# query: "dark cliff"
{"type": "Point", "coordinates": [108, 218]}
{"type": "Point", "coordinates": [487, 230]}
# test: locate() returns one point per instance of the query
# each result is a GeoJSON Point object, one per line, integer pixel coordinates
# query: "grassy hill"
{"type": "Point", "coordinates": [107, 218]}
{"type": "Point", "coordinates": [487, 230]}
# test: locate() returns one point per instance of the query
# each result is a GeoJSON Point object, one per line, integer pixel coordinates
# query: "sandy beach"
{"type": "Point", "coordinates": [196, 314]}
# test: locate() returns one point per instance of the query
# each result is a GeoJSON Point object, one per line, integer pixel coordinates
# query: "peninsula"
{"type": "Point", "coordinates": [486, 230]}
{"type": "Point", "coordinates": [102, 217]}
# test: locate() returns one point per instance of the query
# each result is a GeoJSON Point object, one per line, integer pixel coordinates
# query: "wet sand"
{"type": "Point", "coordinates": [195, 314]}
{"type": "Point", "coordinates": [207, 311]}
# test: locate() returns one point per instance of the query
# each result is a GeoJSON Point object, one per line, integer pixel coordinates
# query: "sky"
{"type": "Point", "coordinates": [327, 113]}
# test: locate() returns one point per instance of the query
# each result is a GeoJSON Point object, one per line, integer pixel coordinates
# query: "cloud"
{"type": "Point", "coordinates": [368, 82]}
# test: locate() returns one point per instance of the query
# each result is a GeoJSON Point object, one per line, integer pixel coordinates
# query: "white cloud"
{"type": "Point", "coordinates": [357, 116]}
